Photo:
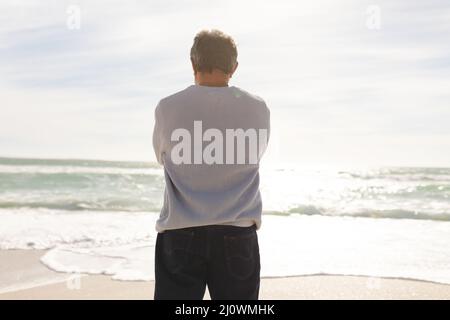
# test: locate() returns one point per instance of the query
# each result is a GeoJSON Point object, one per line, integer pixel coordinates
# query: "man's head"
{"type": "Point", "coordinates": [213, 56]}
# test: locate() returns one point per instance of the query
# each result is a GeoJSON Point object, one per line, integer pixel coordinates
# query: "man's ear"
{"type": "Point", "coordinates": [234, 69]}
{"type": "Point", "coordinates": [193, 67]}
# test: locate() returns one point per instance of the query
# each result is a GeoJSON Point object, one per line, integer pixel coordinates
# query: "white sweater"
{"type": "Point", "coordinates": [214, 189]}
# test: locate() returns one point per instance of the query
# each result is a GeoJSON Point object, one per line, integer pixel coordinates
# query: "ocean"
{"type": "Point", "coordinates": [98, 217]}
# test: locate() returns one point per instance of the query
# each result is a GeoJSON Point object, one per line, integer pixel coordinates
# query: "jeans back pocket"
{"type": "Point", "coordinates": [176, 247]}
{"type": "Point", "coordinates": [242, 254]}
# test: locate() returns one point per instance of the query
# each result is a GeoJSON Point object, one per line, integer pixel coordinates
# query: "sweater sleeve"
{"type": "Point", "coordinates": [268, 123]}
{"type": "Point", "coordinates": [157, 136]}
{"type": "Point", "coordinates": [264, 138]}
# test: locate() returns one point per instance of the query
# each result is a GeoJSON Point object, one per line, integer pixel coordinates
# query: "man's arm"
{"type": "Point", "coordinates": [268, 123]}
{"type": "Point", "coordinates": [264, 138]}
{"type": "Point", "coordinates": [157, 136]}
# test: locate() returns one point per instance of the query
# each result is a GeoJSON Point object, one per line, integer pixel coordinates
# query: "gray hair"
{"type": "Point", "coordinates": [213, 50]}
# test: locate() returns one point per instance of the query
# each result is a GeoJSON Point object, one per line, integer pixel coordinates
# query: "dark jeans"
{"type": "Point", "coordinates": [225, 258]}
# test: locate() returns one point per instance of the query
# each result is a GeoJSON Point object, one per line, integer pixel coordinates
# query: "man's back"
{"type": "Point", "coordinates": [208, 179]}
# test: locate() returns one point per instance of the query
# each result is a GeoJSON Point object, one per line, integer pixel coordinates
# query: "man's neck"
{"type": "Point", "coordinates": [212, 84]}
{"type": "Point", "coordinates": [212, 79]}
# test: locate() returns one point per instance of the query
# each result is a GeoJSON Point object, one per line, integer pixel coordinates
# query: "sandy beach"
{"type": "Point", "coordinates": [17, 265]}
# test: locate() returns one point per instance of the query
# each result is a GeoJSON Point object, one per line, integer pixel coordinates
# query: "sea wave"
{"type": "Point", "coordinates": [401, 174]}
{"type": "Point", "coordinates": [95, 185]}
{"type": "Point", "coordinates": [78, 169]}
{"type": "Point", "coordinates": [122, 245]}
{"type": "Point", "coordinates": [76, 163]}
{"type": "Point", "coordinates": [99, 216]}
{"type": "Point", "coordinates": [99, 205]}
{"type": "Point", "coordinates": [309, 210]}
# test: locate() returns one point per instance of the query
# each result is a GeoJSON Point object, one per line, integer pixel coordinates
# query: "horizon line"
{"type": "Point", "coordinates": [154, 161]}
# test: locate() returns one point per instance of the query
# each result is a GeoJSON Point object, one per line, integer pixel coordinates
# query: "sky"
{"type": "Point", "coordinates": [347, 82]}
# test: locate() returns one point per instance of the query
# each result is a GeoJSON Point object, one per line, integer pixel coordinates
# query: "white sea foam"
{"type": "Point", "coordinates": [128, 262]}
{"type": "Point", "coordinates": [45, 229]}
{"type": "Point", "coordinates": [122, 244]}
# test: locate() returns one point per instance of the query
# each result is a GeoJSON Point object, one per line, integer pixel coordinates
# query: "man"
{"type": "Point", "coordinates": [210, 137]}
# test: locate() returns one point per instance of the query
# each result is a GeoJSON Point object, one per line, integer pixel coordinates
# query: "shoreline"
{"type": "Point", "coordinates": [47, 284]}
{"type": "Point", "coordinates": [357, 276]}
